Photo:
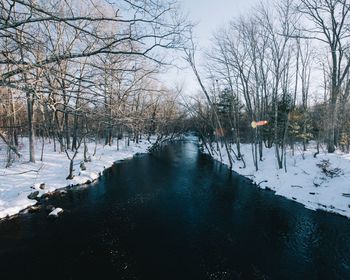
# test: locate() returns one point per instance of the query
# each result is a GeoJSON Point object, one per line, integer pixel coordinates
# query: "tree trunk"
{"type": "Point", "coordinates": [333, 115]}
{"type": "Point", "coordinates": [66, 129]}
{"type": "Point", "coordinates": [70, 176]}
{"type": "Point", "coordinates": [31, 134]}
{"type": "Point", "coordinates": [276, 140]}
{"type": "Point", "coordinates": [42, 148]}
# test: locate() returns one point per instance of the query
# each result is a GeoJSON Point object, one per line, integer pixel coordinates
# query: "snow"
{"type": "Point", "coordinates": [304, 181]}
{"type": "Point", "coordinates": [56, 212]}
{"type": "Point", "coordinates": [23, 178]}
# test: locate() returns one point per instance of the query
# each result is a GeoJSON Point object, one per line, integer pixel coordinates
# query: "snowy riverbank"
{"type": "Point", "coordinates": [305, 182]}
{"type": "Point", "coordinates": [24, 178]}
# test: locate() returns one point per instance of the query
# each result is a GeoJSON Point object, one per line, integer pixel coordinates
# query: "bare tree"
{"type": "Point", "coordinates": [330, 20]}
{"type": "Point", "coordinates": [190, 57]}
{"type": "Point", "coordinates": [68, 31]}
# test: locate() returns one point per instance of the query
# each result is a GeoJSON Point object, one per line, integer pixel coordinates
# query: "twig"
{"type": "Point", "coordinates": [32, 170]}
{"type": "Point", "coordinates": [263, 181]}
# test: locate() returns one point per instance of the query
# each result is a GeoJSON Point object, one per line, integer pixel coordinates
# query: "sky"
{"type": "Point", "coordinates": [212, 14]}
{"type": "Point", "coordinates": [209, 15]}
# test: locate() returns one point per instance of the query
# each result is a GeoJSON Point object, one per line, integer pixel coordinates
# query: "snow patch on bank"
{"type": "Point", "coordinates": [304, 181]}
{"type": "Point", "coordinates": [56, 212]}
{"type": "Point", "coordinates": [23, 178]}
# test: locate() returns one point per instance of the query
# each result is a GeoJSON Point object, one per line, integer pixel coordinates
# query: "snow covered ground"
{"type": "Point", "coordinates": [304, 181]}
{"type": "Point", "coordinates": [24, 178]}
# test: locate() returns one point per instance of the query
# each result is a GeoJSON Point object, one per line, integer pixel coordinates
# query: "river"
{"type": "Point", "coordinates": [175, 214]}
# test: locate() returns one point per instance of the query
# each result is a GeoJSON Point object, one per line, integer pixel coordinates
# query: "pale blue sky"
{"type": "Point", "coordinates": [210, 15]}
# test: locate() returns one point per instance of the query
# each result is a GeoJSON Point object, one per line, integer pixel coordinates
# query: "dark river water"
{"type": "Point", "coordinates": [175, 214]}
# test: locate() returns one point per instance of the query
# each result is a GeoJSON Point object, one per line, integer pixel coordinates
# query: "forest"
{"type": "Point", "coordinates": [81, 71]}
{"type": "Point", "coordinates": [78, 71]}
{"type": "Point", "coordinates": [175, 139]}
{"type": "Point", "coordinates": [285, 64]}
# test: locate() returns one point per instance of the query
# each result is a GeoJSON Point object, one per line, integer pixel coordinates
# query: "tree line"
{"type": "Point", "coordinates": [73, 71]}
{"type": "Point", "coordinates": [285, 62]}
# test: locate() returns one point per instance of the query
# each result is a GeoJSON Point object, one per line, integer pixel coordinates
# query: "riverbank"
{"type": "Point", "coordinates": [23, 178]}
{"type": "Point", "coordinates": [318, 183]}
